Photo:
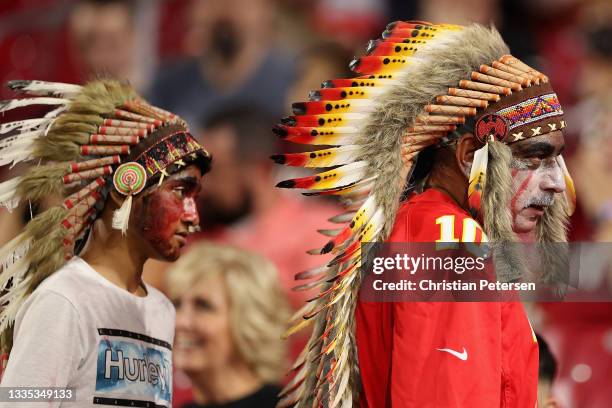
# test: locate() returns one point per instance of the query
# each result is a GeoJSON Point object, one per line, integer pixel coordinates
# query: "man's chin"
{"type": "Point", "coordinates": [169, 255]}
{"type": "Point", "coordinates": [525, 224]}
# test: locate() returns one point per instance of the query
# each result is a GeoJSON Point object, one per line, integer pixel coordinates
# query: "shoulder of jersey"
{"type": "Point", "coordinates": [432, 221]}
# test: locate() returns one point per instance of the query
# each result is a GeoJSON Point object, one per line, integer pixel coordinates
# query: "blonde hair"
{"type": "Point", "coordinates": [258, 309]}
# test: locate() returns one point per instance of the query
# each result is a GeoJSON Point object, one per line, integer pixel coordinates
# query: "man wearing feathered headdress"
{"type": "Point", "coordinates": [74, 311]}
{"type": "Point", "coordinates": [444, 137]}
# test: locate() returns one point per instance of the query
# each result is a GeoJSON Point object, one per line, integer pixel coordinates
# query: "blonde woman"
{"type": "Point", "coordinates": [230, 315]}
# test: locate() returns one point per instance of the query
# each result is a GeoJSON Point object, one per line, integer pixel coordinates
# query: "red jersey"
{"type": "Point", "coordinates": [444, 354]}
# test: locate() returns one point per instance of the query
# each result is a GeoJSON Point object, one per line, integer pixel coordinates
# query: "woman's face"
{"type": "Point", "coordinates": [203, 340]}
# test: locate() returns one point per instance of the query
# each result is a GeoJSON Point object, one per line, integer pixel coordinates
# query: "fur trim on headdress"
{"type": "Point", "coordinates": [497, 217]}
{"type": "Point", "coordinates": [553, 247]}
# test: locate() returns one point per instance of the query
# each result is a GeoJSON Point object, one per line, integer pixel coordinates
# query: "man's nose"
{"type": "Point", "coordinates": [190, 211]}
{"type": "Point", "coordinates": [553, 180]}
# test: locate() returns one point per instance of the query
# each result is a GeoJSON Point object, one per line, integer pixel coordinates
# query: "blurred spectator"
{"type": "Point", "coordinates": [460, 12]}
{"type": "Point", "coordinates": [350, 22]}
{"type": "Point", "coordinates": [240, 205]}
{"type": "Point", "coordinates": [590, 119]}
{"type": "Point", "coordinates": [103, 40]}
{"type": "Point", "coordinates": [230, 315]}
{"type": "Point", "coordinates": [319, 62]}
{"type": "Point", "coordinates": [102, 34]}
{"type": "Point", "coordinates": [547, 371]}
{"type": "Point", "coordinates": [234, 59]}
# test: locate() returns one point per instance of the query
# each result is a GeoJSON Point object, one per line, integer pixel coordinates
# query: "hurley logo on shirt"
{"type": "Point", "coordinates": [135, 369]}
{"type": "Point", "coordinates": [140, 368]}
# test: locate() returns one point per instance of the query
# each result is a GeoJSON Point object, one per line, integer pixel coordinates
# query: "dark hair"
{"type": "Point", "coordinates": [252, 126]}
{"type": "Point", "coordinates": [548, 364]}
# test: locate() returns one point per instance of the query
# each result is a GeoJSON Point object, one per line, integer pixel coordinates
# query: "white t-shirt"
{"type": "Point", "coordinates": [79, 330]}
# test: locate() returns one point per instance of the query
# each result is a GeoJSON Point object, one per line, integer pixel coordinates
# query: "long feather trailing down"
{"type": "Point", "coordinates": [338, 177]}
{"type": "Point", "coordinates": [8, 194]}
{"type": "Point", "coordinates": [370, 65]}
{"type": "Point", "coordinates": [14, 272]}
{"type": "Point", "coordinates": [18, 103]}
{"type": "Point", "coordinates": [55, 112]}
{"type": "Point", "coordinates": [43, 88]}
{"type": "Point", "coordinates": [332, 107]}
{"type": "Point", "coordinates": [329, 232]}
{"type": "Point", "coordinates": [358, 82]}
{"type": "Point", "coordinates": [337, 94]}
{"type": "Point", "coordinates": [312, 273]}
{"type": "Point", "coordinates": [357, 189]}
{"type": "Point", "coordinates": [325, 120]}
{"type": "Point", "coordinates": [21, 139]}
{"type": "Point", "coordinates": [12, 251]}
{"type": "Point", "coordinates": [333, 136]}
{"type": "Point", "coordinates": [23, 125]}
{"type": "Point", "coordinates": [362, 216]}
{"type": "Point", "coordinates": [336, 156]}
{"type": "Point", "coordinates": [121, 216]}
{"type": "Point", "coordinates": [12, 301]}
{"type": "Point", "coordinates": [342, 218]}
{"type": "Point", "coordinates": [478, 179]}
{"type": "Point", "coordinates": [16, 154]}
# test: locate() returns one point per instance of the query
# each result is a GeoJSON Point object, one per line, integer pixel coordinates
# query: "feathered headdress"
{"type": "Point", "coordinates": [94, 138]}
{"type": "Point", "coordinates": [416, 85]}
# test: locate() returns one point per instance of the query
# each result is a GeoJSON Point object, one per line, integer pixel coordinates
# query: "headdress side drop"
{"type": "Point", "coordinates": [415, 85]}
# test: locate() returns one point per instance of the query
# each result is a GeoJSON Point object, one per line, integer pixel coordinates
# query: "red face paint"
{"type": "Point", "coordinates": [162, 220]}
{"type": "Point", "coordinates": [168, 211]}
{"type": "Point", "coordinates": [520, 190]}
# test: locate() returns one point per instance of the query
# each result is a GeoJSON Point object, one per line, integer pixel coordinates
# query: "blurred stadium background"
{"type": "Point", "coordinates": [232, 68]}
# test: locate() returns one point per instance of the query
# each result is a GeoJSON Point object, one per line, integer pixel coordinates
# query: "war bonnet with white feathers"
{"type": "Point", "coordinates": [95, 138]}
{"type": "Point", "coordinates": [416, 86]}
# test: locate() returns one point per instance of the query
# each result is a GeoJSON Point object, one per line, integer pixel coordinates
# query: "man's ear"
{"type": "Point", "coordinates": [464, 152]}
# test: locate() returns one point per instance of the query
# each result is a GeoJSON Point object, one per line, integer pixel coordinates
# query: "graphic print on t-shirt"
{"type": "Point", "coordinates": [133, 370]}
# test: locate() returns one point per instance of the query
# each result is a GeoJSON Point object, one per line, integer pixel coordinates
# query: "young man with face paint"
{"type": "Point", "coordinates": [442, 138]}
{"type": "Point", "coordinates": [76, 313]}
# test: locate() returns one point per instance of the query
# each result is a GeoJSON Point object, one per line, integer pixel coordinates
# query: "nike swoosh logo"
{"type": "Point", "coordinates": [461, 356]}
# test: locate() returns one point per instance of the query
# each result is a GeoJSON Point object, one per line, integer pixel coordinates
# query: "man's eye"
{"type": "Point", "coordinates": [527, 163]}
{"type": "Point", "coordinates": [534, 162]}
{"type": "Point", "coordinates": [180, 191]}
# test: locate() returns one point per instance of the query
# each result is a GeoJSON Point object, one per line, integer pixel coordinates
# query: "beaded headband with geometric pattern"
{"type": "Point", "coordinates": [96, 137]}
{"type": "Point", "coordinates": [415, 86]}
